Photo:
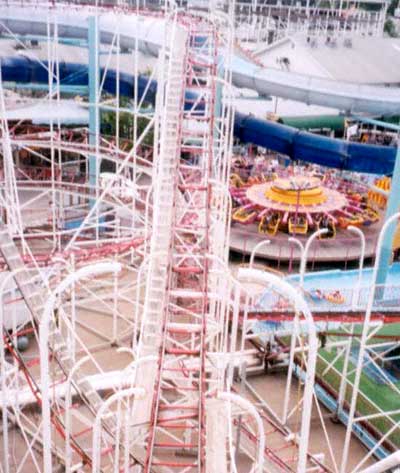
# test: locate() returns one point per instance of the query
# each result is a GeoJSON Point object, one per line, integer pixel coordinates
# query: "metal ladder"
{"type": "Point", "coordinates": [176, 440]}
{"type": "Point", "coordinates": [167, 161]}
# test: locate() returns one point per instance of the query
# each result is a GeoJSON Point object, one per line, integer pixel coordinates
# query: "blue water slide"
{"type": "Point", "coordinates": [148, 34]}
{"type": "Point", "coordinates": [299, 145]}
{"type": "Point", "coordinates": [23, 70]}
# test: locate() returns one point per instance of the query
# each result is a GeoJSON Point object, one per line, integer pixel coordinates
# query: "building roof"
{"type": "Point", "coordinates": [77, 54]}
{"type": "Point", "coordinates": [39, 112]}
{"type": "Point", "coordinates": [362, 60]}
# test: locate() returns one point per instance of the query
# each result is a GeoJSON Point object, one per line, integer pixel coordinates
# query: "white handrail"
{"type": "Point", "coordinates": [249, 407]}
{"type": "Point", "coordinates": [257, 276]}
{"type": "Point", "coordinates": [44, 332]}
{"type": "Point", "coordinates": [97, 423]}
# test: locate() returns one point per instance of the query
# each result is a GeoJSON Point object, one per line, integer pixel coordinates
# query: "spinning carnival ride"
{"type": "Point", "coordinates": [299, 204]}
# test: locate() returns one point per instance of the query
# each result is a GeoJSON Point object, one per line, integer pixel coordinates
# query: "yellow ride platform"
{"type": "Point", "coordinates": [299, 190]}
{"type": "Point", "coordinates": [377, 199]}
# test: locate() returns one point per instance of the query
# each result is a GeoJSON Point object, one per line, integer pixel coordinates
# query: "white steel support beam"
{"type": "Point", "coordinates": [163, 210]}
{"type": "Point", "coordinates": [44, 332]}
{"type": "Point", "coordinates": [293, 295]}
{"type": "Point", "coordinates": [217, 435]}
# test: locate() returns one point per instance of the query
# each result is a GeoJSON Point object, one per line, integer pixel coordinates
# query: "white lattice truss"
{"type": "Point", "coordinates": [140, 337]}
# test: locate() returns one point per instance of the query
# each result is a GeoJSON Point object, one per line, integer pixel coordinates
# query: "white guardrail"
{"type": "Point", "coordinates": [340, 299]}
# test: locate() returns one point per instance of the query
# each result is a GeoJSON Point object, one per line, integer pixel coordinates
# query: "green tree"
{"type": "Point", "coordinates": [126, 124]}
{"type": "Point", "coordinates": [390, 28]}
{"type": "Point", "coordinates": [108, 127]}
{"type": "Point", "coordinates": [392, 7]}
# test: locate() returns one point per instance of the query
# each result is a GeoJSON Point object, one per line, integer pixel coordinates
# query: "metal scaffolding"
{"type": "Point", "coordinates": [127, 344]}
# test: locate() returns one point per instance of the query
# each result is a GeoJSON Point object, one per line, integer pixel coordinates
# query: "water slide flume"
{"type": "Point", "coordinates": [147, 32]}
{"type": "Point", "coordinates": [299, 145]}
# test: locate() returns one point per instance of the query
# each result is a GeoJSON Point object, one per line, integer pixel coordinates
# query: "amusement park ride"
{"type": "Point", "coordinates": [300, 204]}
{"type": "Point", "coordinates": [128, 345]}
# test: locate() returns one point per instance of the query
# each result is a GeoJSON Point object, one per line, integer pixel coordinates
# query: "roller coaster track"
{"type": "Point", "coordinates": [34, 296]}
{"type": "Point", "coordinates": [108, 153]}
{"type": "Point", "coordinates": [388, 317]}
{"type": "Point", "coordinates": [175, 328]}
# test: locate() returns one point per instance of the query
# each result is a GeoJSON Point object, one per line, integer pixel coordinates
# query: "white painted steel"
{"type": "Point", "coordinates": [150, 36]}
{"type": "Point", "coordinates": [303, 262]}
{"type": "Point", "coordinates": [363, 343]}
{"type": "Point", "coordinates": [392, 461]}
{"type": "Point", "coordinates": [300, 305]}
{"type": "Point", "coordinates": [361, 235]}
{"type": "Point", "coordinates": [247, 406]}
{"type": "Point", "coordinates": [118, 396]}
{"type": "Point", "coordinates": [44, 332]}
{"type": "Point", "coordinates": [257, 248]}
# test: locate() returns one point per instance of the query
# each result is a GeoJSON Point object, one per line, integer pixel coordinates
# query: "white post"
{"type": "Point", "coordinates": [255, 249]}
{"type": "Point", "coordinates": [386, 464]}
{"type": "Point", "coordinates": [6, 464]}
{"type": "Point", "coordinates": [303, 263]}
{"type": "Point", "coordinates": [44, 332]}
{"type": "Point", "coordinates": [343, 380]}
{"type": "Point", "coordinates": [71, 337]}
{"type": "Point", "coordinates": [363, 341]}
{"type": "Point", "coordinates": [68, 404]}
{"type": "Point", "coordinates": [356, 294]}
{"type": "Point", "coordinates": [97, 423]}
{"type": "Point", "coordinates": [301, 306]}
{"type": "Point", "coordinates": [299, 244]}
{"type": "Point", "coordinates": [3, 286]}
{"type": "Point", "coordinates": [286, 400]}
{"type": "Point", "coordinates": [249, 407]}
{"type": "Point", "coordinates": [115, 310]}
{"type": "Point", "coordinates": [234, 330]}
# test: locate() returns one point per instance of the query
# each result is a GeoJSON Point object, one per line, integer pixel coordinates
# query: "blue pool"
{"type": "Point", "coordinates": [349, 296]}
{"type": "Point", "coordinates": [346, 283]}
{"type": "Point", "coordinates": [335, 279]}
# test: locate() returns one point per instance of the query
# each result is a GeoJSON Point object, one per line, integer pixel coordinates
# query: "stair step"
{"type": "Point", "coordinates": [184, 293]}
{"type": "Point", "coordinates": [183, 328]}
{"type": "Point", "coordinates": [174, 464]}
{"type": "Point", "coordinates": [180, 388]}
{"type": "Point", "coordinates": [192, 370]}
{"type": "Point", "coordinates": [175, 419]}
{"type": "Point", "coordinates": [175, 445]}
{"type": "Point", "coordinates": [179, 427]}
{"type": "Point", "coordinates": [169, 407]}
{"type": "Point", "coordinates": [182, 351]}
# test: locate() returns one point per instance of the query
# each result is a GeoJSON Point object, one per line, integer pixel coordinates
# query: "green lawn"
{"type": "Point", "coordinates": [382, 395]}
